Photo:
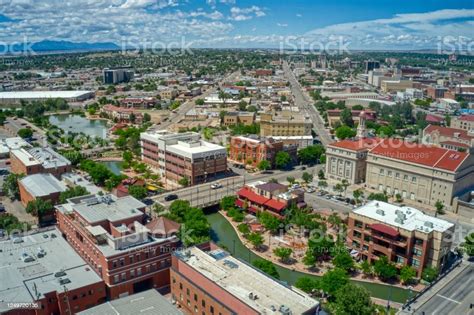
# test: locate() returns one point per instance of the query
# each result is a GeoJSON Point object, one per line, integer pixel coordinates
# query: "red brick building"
{"type": "Point", "coordinates": [39, 160]}
{"type": "Point", "coordinates": [42, 269]}
{"type": "Point", "coordinates": [211, 282]}
{"type": "Point", "coordinates": [111, 234]}
{"type": "Point", "coordinates": [252, 150]}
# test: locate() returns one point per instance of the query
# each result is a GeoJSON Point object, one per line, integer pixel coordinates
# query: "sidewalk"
{"type": "Point", "coordinates": [428, 294]}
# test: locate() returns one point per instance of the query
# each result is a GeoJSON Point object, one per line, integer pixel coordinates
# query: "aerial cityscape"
{"type": "Point", "coordinates": [223, 157]}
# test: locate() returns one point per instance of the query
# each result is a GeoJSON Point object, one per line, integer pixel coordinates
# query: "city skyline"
{"type": "Point", "coordinates": [313, 25]}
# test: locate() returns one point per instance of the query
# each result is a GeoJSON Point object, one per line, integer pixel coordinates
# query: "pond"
{"type": "Point", "coordinates": [114, 166]}
{"type": "Point", "coordinates": [223, 233]}
{"type": "Point", "coordinates": [78, 123]}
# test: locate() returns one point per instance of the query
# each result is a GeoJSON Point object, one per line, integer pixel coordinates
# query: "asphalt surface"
{"type": "Point", "coordinates": [305, 104]}
{"type": "Point", "coordinates": [453, 299]}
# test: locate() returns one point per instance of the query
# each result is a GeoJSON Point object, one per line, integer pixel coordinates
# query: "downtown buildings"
{"type": "Point", "coordinates": [406, 236]}
{"type": "Point", "coordinates": [39, 160]}
{"type": "Point", "coordinates": [112, 235]}
{"type": "Point", "coordinates": [209, 281]}
{"type": "Point", "coordinates": [178, 156]}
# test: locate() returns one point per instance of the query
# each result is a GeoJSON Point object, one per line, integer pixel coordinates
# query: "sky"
{"type": "Point", "coordinates": [304, 24]}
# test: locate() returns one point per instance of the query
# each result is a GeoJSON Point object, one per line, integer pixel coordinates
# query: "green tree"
{"type": "Point", "coordinates": [10, 185]}
{"type": "Point", "coordinates": [358, 194]}
{"type": "Point", "coordinates": [352, 299]}
{"type": "Point", "coordinates": [39, 208]}
{"type": "Point", "coordinates": [263, 165]}
{"type": "Point", "coordinates": [346, 117]}
{"type": "Point", "coordinates": [25, 133]}
{"type": "Point", "coordinates": [344, 132]}
{"type": "Point", "coordinates": [267, 267]}
{"type": "Point", "coordinates": [283, 253]}
{"type": "Point", "coordinates": [146, 117]}
{"type": "Point", "coordinates": [343, 261]}
{"type": "Point", "coordinates": [269, 221]}
{"type": "Point", "coordinates": [338, 188]}
{"type": "Point", "coordinates": [333, 280]}
{"type": "Point", "coordinates": [256, 239]}
{"type": "Point", "coordinates": [311, 154]}
{"type": "Point", "coordinates": [439, 208]}
{"type": "Point", "coordinates": [321, 174]}
{"type": "Point", "coordinates": [468, 244]}
{"type": "Point", "coordinates": [307, 177]}
{"type": "Point", "coordinates": [243, 228]}
{"type": "Point", "coordinates": [71, 193]}
{"type": "Point", "coordinates": [282, 160]}
{"type": "Point", "coordinates": [199, 101]}
{"type": "Point", "coordinates": [366, 268]}
{"type": "Point", "coordinates": [291, 180]}
{"type": "Point", "coordinates": [407, 274]}
{"type": "Point", "coordinates": [309, 260]}
{"type": "Point", "coordinates": [228, 202]}
{"type": "Point", "coordinates": [127, 156]}
{"type": "Point", "coordinates": [385, 131]}
{"type": "Point", "coordinates": [138, 192]}
{"type": "Point", "coordinates": [378, 196]}
{"type": "Point", "coordinates": [429, 274]}
{"type": "Point", "coordinates": [183, 181]}
{"type": "Point", "coordinates": [384, 269]}
{"type": "Point", "coordinates": [307, 284]}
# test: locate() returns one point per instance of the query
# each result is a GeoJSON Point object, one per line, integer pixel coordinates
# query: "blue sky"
{"type": "Point", "coordinates": [376, 24]}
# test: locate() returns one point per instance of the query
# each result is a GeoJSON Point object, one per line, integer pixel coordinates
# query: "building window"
{"type": "Point", "coordinates": [357, 234]}
{"type": "Point", "coordinates": [131, 259]}
{"type": "Point", "coordinates": [412, 196]}
{"type": "Point", "coordinates": [380, 187]}
{"type": "Point", "coordinates": [418, 242]}
{"type": "Point", "coordinates": [415, 262]}
{"type": "Point", "coordinates": [116, 279]}
{"type": "Point", "coordinates": [413, 179]}
{"type": "Point", "coordinates": [400, 260]}
{"type": "Point", "coordinates": [187, 291]}
{"type": "Point", "coordinates": [405, 177]}
{"type": "Point", "coordinates": [211, 309]}
{"type": "Point", "coordinates": [180, 286]}
{"type": "Point", "coordinates": [122, 261]}
{"type": "Point", "coordinates": [367, 238]}
{"type": "Point", "coordinates": [203, 303]}
{"type": "Point", "coordinates": [389, 173]}
{"type": "Point", "coordinates": [355, 244]}
{"type": "Point", "coordinates": [124, 276]}
{"type": "Point", "coordinates": [417, 252]}
{"type": "Point", "coordinates": [114, 264]}
{"type": "Point", "coordinates": [382, 171]}
{"type": "Point", "coordinates": [358, 224]}
{"type": "Point", "coordinates": [132, 273]}
{"type": "Point", "coordinates": [365, 247]}
{"type": "Point", "coordinates": [397, 175]}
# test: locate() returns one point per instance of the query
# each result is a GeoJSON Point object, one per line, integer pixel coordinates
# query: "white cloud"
{"type": "Point", "coordinates": [282, 24]}
{"type": "Point", "coordinates": [299, 15]}
{"type": "Point", "coordinates": [243, 14]}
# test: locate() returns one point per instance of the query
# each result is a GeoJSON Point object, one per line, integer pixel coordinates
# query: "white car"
{"type": "Point", "coordinates": [310, 190]}
{"type": "Point", "coordinates": [216, 186]}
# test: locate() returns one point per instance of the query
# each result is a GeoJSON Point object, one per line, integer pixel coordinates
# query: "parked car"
{"type": "Point", "coordinates": [310, 190]}
{"type": "Point", "coordinates": [171, 197]}
{"type": "Point", "coordinates": [2, 208]}
{"type": "Point", "coordinates": [216, 186]}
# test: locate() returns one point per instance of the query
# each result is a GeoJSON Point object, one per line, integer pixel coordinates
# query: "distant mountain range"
{"type": "Point", "coordinates": [57, 46]}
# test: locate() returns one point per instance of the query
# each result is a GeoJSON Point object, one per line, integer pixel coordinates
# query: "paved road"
{"type": "Point", "coordinates": [455, 298]}
{"type": "Point", "coordinates": [203, 194]}
{"type": "Point", "coordinates": [303, 101]}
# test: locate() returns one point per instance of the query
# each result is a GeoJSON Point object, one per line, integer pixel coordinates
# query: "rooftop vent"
{"type": "Point", "coordinates": [61, 273]}
{"type": "Point", "coordinates": [399, 221]}
{"type": "Point", "coordinates": [230, 264]}
{"type": "Point", "coordinates": [63, 281]}
{"type": "Point", "coordinates": [429, 224]}
{"type": "Point", "coordinates": [285, 310]}
{"type": "Point", "coordinates": [380, 212]}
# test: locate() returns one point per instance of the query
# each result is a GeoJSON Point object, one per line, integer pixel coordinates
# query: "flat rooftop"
{"type": "Point", "coordinates": [40, 185]}
{"type": "Point", "coordinates": [42, 94]}
{"type": "Point", "coordinates": [407, 218]}
{"type": "Point", "coordinates": [240, 279]}
{"type": "Point", "coordinates": [196, 149]}
{"type": "Point", "coordinates": [15, 143]}
{"type": "Point", "coordinates": [48, 157]}
{"type": "Point", "coordinates": [149, 302]}
{"type": "Point", "coordinates": [96, 209]}
{"type": "Point", "coordinates": [26, 276]}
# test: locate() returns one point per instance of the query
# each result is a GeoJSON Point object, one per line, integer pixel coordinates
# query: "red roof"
{"type": "Point", "coordinates": [448, 132]}
{"type": "Point", "coordinates": [239, 203]}
{"type": "Point", "coordinates": [356, 144]}
{"type": "Point", "coordinates": [455, 144]}
{"type": "Point", "coordinates": [382, 228]}
{"type": "Point", "coordinates": [250, 195]}
{"type": "Point", "coordinates": [467, 118]}
{"type": "Point", "coordinates": [275, 205]}
{"type": "Point", "coordinates": [434, 119]}
{"type": "Point", "coordinates": [430, 156]}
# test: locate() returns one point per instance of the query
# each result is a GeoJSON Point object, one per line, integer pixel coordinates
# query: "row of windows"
{"type": "Point", "coordinates": [138, 272]}
{"type": "Point", "coordinates": [195, 298]}
{"type": "Point", "coordinates": [397, 175]}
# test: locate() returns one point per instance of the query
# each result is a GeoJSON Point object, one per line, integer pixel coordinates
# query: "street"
{"type": "Point", "coordinates": [306, 105]}
{"type": "Point", "coordinates": [455, 298]}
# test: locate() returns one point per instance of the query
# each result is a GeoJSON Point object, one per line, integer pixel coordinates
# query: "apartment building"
{"type": "Point", "coordinates": [168, 94]}
{"type": "Point", "coordinates": [347, 159]}
{"type": "Point", "coordinates": [39, 160]}
{"type": "Point", "coordinates": [273, 198]}
{"type": "Point", "coordinates": [138, 102]}
{"type": "Point", "coordinates": [234, 118]}
{"type": "Point", "coordinates": [251, 150]}
{"type": "Point", "coordinates": [334, 116]}
{"type": "Point", "coordinates": [284, 123]}
{"type": "Point", "coordinates": [41, 268]}
{"type": "Point", "coordinates": [210, 281]}
{"type": "Point", "coordinates": [118, 75]}
{"type": "Point", "coordinates": [405, 235]}
{"type": "Point", "coordinates": [448, 138]}
{"type": "Point", "coordinates": [120, 114]}
{"type": "Point", "coordinates": [465, 122]}
{"type": "Point", "coordinates": [436, 92]}
{"type": "Point", "coordinates": [419, 172]}
{"type": "Point", "coordinates": [112, 236]}
{"type": "Point", "coordinates": [183, 155]}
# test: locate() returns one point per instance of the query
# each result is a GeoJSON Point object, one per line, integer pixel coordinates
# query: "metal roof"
{"type": "Point", "coordinates": [39, 185]}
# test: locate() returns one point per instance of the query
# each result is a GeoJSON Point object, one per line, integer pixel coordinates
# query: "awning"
{"type": "Point", "coordinates": [239, 203]}
{"type": "Point", "coordinates": [250, 195]}
{"type": "Point", "coordinates": [276, 205]}
{"type": "Point", "coordinates": [252, 209]}
{"type": "Point", "coordinates": [384, 229]}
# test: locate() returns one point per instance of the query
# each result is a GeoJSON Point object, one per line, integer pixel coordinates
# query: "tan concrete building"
{"type": "Point", "coordinates": [406, 236]}
{"type": "Point", "coordinates": [396, 85]}
{"type": "Point", "coordinates": [419, 172]}
{"type": "Point", "coordinates": [465, 122]}
{"type": "Point", "coordinates": [284, 123]}
{"type": "Point", "coordinates": [234, 118]}
{"type": "Point", "coordinates": [168, 94]}
{"type": "Point", "coordinates": [448, 138]}
{"type": "Point", "coordinates": [347, 159]}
